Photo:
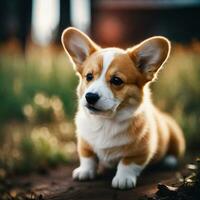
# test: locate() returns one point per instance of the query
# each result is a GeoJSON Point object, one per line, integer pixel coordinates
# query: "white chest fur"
{"type": "Point", "coordinates": [104, 133]}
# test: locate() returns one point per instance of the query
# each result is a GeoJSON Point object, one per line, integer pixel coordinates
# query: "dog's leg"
{"type": "Point", "coordinates": [88, 164]}
{"type": "Point", "coordinates": [126, 176]}
{"type": "Point", "coordinates": [127, 173]}
{"type": "Point", "coordinates": [86, 170]}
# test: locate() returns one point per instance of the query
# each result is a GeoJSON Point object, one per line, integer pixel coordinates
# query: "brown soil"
{"type": "Point", "coordinates": [57, 184]}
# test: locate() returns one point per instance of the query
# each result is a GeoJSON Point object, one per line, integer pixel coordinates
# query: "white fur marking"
{"type": "Point", "coordinates": [126, 176]}
{"type": "Point", "coordinates": [102, 134]}
{"type": "Point", "coordinates": [108, 57]}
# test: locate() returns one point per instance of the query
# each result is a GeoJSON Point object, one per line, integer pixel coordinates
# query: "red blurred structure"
{"type": "Point", "coordinates": [119, 22]}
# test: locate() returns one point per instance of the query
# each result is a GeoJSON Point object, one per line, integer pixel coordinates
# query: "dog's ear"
{"type": "Point", "coordinates": [150, 55]}
{"type": "Point", "coordinates": [78, 46]}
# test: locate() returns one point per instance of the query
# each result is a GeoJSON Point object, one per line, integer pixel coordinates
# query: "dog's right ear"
{"type": "Point", "coordinates": [78, 46]}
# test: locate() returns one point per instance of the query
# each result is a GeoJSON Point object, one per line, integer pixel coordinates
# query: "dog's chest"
{"type": "Point", "coordinates": [103, 135]}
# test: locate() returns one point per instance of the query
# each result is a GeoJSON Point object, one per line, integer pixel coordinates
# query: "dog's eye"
{"type": "Point", "coordinates": [89, 77]}
{"type": "Point", "coordinates": [116, 80]}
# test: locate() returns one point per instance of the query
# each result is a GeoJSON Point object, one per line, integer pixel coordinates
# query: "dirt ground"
{"type": "Point", "coordinates": [57, 184]}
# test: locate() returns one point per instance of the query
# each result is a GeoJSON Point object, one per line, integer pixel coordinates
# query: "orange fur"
{"type": "Point", "coordinates": [84, 149]}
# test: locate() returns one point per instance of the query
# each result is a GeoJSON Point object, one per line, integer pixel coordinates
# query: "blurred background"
{"type": "Point", "coordinates": [37, 82]}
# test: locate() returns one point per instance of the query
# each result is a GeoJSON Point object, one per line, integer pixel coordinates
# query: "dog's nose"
{"type": "Point", "coordinates": [92, 98]}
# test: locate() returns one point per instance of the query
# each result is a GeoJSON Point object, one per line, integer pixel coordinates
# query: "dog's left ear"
{"type": "Point", "coordinates": [150, 55]}
{"type": "Point", "coordinates": [78, 46]}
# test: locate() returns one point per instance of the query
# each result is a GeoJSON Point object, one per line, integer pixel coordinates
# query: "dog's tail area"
{"type": "Point", "coordinates": [177, 141]}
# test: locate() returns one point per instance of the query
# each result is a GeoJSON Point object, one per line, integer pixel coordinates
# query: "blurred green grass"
{"type": "Point", "coordinates": [38, 102]}
{"type": "Point", "coordinates": [21, 79]}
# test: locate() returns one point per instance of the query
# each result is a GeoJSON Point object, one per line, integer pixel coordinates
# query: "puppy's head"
{"type": "Point", "coordinates": [112, 79]}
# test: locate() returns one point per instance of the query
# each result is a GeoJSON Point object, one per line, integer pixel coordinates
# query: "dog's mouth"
{"type": "Point", "coordinates": [96, 111]}
{"type": "Point", "coordinates": [92, 108]}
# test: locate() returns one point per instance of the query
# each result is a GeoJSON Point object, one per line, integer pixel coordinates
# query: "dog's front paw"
{"type": "Point", "coordinates": [124, 182]}
{"type": "Point", "coordinates": [82, 174]}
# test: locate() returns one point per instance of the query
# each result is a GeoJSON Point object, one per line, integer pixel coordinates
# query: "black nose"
{"type": "Point", "coordinates": [92, 98]}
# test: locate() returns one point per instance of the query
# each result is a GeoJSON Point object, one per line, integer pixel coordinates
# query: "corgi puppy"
{"type": "Point", "coordinates": [117, 124]}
